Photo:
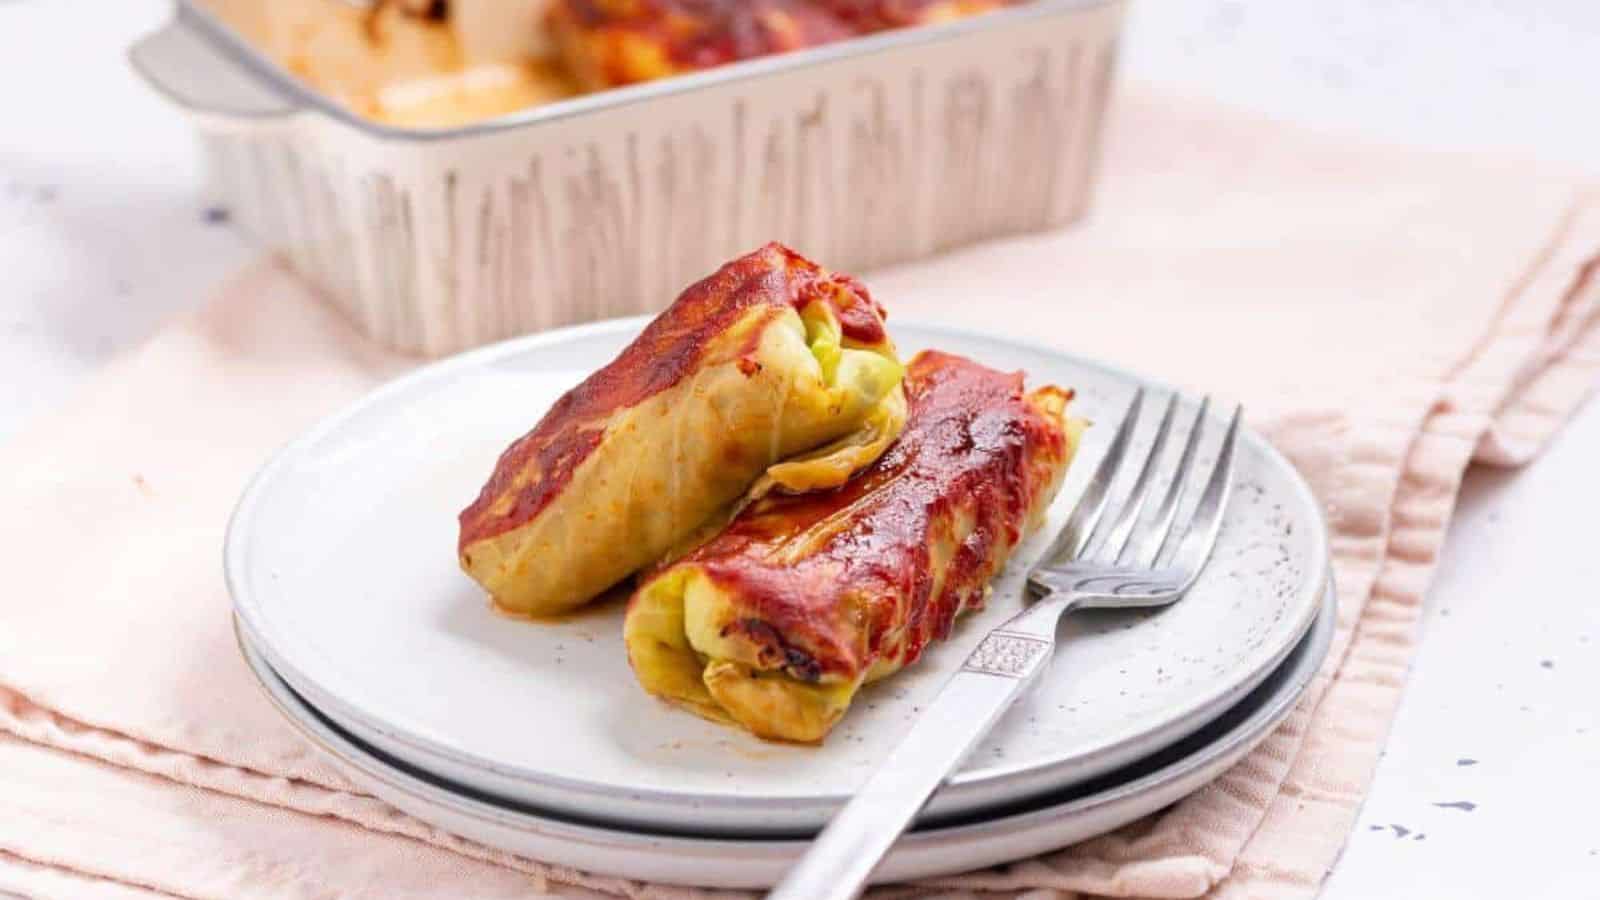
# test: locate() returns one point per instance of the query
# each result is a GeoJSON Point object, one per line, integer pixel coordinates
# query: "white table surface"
{"type": "Point", "coordinates": [103, 236]}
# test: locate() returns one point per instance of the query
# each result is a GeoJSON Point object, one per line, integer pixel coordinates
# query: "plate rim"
{"type": "Point", "coordinates": [235, 548]}
{"type": "Point", "coordinates": [1241, 738]}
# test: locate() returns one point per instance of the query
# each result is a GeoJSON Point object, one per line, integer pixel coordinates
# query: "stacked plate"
{"type": "Point", "coordinates": [534, 736]}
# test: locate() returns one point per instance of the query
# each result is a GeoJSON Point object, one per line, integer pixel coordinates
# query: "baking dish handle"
{"type": "Point", "coordinates": [195, 74]}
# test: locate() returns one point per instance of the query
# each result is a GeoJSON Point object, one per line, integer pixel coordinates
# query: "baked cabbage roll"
{"type": "Point", "coordinates": [771, 369]}
{"type": "Point", "coordinates": [777, 622]}
{"type": "Point", "coordinates": [608, 43]}
{"type": "Point", "coordinates": [881, 15]}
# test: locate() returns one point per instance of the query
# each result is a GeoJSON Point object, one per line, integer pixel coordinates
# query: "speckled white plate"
{"type": "Point", "coordinates": [1053, 821]}
{"type": "Point", "coordinates": [341, 562]}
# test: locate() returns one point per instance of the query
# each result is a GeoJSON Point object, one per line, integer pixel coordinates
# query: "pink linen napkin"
{"type": "Point", "coordinates": [1387, 317]}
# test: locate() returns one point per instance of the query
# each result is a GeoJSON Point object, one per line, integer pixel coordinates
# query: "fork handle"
{"type": "Point", "coordinates": [842, 858]}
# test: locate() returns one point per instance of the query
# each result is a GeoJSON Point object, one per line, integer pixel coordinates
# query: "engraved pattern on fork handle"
{"type": "Point", "coordinates": [1008, 654]}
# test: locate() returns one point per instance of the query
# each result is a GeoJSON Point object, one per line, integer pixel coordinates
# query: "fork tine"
{"type": "Point", "coordinates": [1201, 535]}
{"type": "Point", "coordinates": [1086, 515]}
{"type": "Point", "coordinates": [1127, 515]}
{"type": "Point", "coordinates": [1147, 546]}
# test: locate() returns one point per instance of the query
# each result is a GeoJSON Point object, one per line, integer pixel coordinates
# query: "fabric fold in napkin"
{"type": "Point", "coordinates": [1387, 317]}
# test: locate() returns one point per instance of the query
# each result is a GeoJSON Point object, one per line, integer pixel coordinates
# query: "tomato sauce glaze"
{"type": "Point", "coordinates": [538, 466]}
{"type": "Point", "coordinates": [862, 587]}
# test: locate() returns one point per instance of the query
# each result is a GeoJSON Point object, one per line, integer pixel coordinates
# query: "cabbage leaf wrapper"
{"type": "Point", "coordinates": [776, 623]}
{"type": "Point", "coordinates": [772, 369]}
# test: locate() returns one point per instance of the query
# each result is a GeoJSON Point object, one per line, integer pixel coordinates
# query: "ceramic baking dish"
{"type": "Point", "coordinates": [864, 153]}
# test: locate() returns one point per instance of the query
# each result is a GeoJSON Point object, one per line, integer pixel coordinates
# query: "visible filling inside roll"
{"type": "Point", "coordinates": [683, 649]}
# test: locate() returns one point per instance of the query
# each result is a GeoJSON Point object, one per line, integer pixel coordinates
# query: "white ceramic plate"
{"type": "Point", "coordinates": [341, 562]}
{"type": "Point", "coordinates": [1060, 819]}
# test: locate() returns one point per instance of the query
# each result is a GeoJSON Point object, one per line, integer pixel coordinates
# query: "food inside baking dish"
{"type": "Point", "coordinates": [411, 63]}
{"type": "Point", "coordinates": [771, 374]}
{"type": "Point", "coordinates": [444, 63]}
{"type": "Point", "coordinates": [607, 43]}
{"type": "Point", "coordinates": [777, 622]}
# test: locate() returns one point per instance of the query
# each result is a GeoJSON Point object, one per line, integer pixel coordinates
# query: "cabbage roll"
{"type": "Point", "coordinates": [776, 623]}
{"type": "Point", "coordinates": [608, 43]}
{"type": "Point", "coordinates": [882, 15]}
{"type": "Point", "coordinates": [772, 370]}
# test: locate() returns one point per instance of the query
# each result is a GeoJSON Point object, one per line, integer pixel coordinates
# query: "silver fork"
{"type": "Point", "coordinates": [1095, 562]}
